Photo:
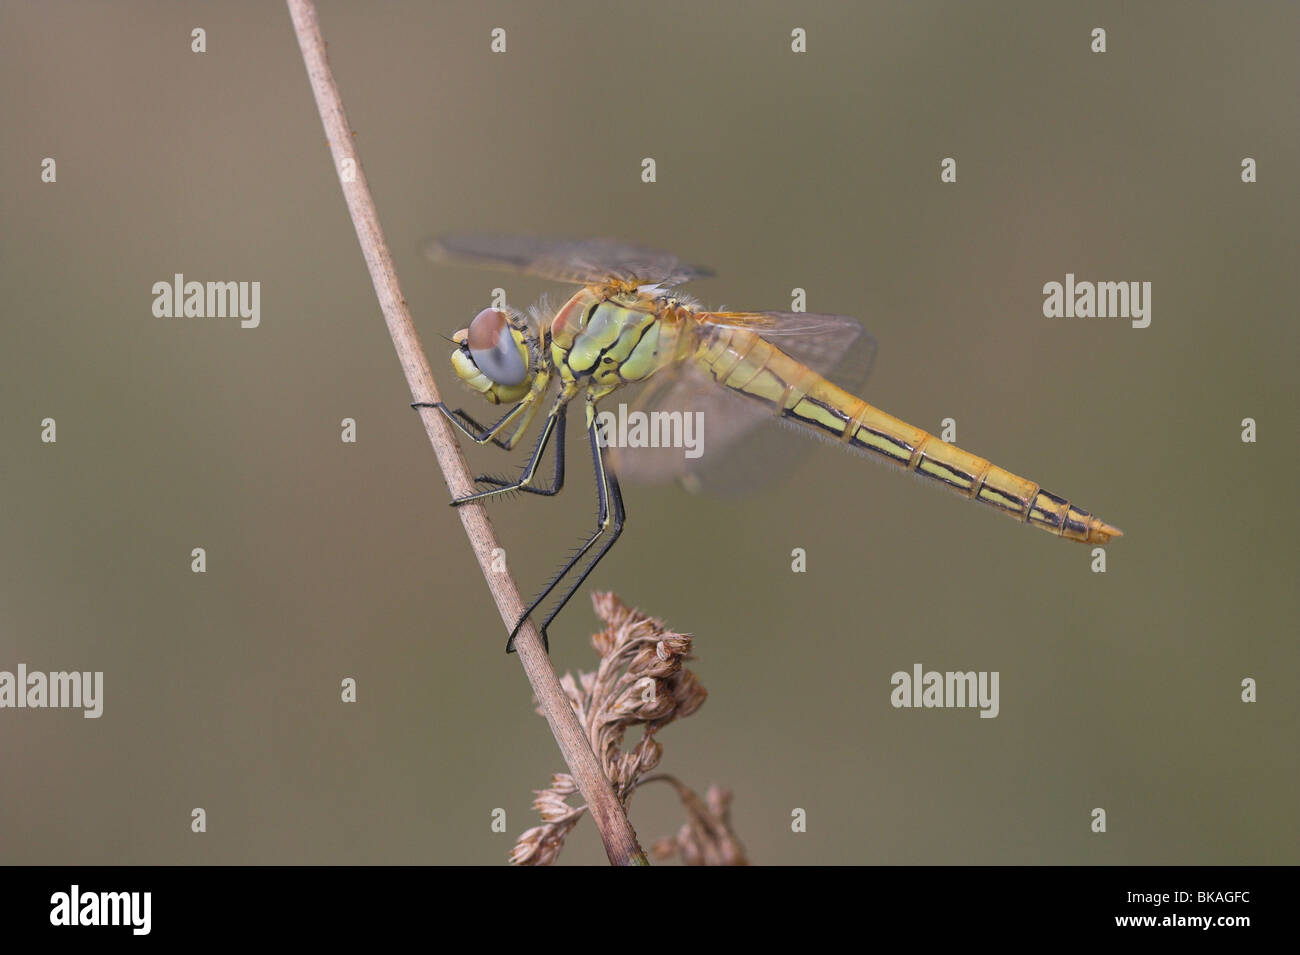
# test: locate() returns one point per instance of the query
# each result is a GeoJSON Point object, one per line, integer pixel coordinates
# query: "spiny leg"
{"type": "Point", "coordinates": [604, 483]}
{"type": "Point", "coordinates": [486, 433]}
{"type": "Point", "coordinates": [554, 425]}
{"type": "Point", "coordinates": [557, 478]}
{"type": "Point", "coordinates": [476, 432]}
{"type": "Point", "coordinates": [619, 516]}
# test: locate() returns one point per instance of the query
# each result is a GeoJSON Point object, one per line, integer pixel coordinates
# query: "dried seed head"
{"type": "Point", "coordinates": [640, 681]}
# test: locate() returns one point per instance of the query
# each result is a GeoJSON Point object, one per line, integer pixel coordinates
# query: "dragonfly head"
{"type": "Point", "coordinates": [495, 356]}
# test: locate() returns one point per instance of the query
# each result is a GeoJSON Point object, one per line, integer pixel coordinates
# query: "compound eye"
{"type": "Point", "coordinates": [494, 348]}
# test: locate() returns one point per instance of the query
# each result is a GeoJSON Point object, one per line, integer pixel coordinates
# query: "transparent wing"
{"type": "Point", "coordinates": [581, 261]}
{"type": "Point", "coordinates": [730, 451]}
{"type": "Point", "coordinates": [835, 346]}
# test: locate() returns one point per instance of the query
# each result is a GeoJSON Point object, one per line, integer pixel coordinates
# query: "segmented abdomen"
{"type": "Point", "coordinates": [745, 362]}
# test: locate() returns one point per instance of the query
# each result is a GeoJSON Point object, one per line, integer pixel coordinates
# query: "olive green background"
{"type": "Point", "coordinates": [821, 171]}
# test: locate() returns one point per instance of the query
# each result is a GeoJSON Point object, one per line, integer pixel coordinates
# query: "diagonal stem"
{"type": "Point", "coordinates": [606, 810]}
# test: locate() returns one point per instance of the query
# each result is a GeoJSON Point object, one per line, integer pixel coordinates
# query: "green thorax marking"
{"type": "Point", "coordinates": [603, 340]}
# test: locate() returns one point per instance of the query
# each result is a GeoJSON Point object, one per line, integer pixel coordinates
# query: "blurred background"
{"type": "Point", "coordinates": [818, 170]}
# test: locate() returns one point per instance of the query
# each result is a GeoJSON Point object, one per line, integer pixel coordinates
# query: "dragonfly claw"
{"type": "Point", "coordinates": [510, 644]}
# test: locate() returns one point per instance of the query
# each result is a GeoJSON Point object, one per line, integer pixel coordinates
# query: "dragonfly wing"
{"type": "Point", "coordinates": [581, 261]}
{"type": "Point", "coordinates": [732, 452]}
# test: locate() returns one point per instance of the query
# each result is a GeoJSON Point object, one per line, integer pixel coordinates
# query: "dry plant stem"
{"type": "Point", "coordinates": [607, 812]}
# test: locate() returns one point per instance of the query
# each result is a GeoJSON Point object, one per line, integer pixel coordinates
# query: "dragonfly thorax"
{"type": "Point", "coordinates": [607, 336]}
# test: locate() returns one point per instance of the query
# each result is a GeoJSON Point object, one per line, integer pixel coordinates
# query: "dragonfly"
{"type": "Point", "coordinates": [630, 324]}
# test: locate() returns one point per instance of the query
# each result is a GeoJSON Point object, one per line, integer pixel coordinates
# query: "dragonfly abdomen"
{"type": "Point", "coordinates": [746, 363]}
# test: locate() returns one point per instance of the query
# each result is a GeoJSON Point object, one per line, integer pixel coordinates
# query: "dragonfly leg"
{"type": "Point", "coordinates": [471, 428]}
{"type": "Point", "coordinates": [554, 426]}
{"type": "Point", "coordinates": [609, 509]}
{"type": "Point", "coordinates": [618, 517]}
{"type": "Point", "coordinates": [557, 477]}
